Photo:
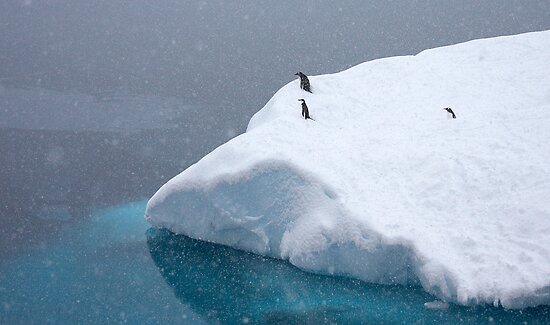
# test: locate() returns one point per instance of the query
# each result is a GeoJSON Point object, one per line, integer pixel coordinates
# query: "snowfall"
{"type": "Point", "coordinates": [383, 185]}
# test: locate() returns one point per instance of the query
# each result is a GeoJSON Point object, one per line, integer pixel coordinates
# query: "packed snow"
{"type": "Point", "coordinates": [383, 186]}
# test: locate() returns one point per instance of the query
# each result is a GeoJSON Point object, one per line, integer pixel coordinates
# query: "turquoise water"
{"type": "Point", "coordinates": [113, 268]}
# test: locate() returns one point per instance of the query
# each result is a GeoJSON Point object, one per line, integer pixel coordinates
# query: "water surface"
{"type": "Point", "coordinates": [111, 267]}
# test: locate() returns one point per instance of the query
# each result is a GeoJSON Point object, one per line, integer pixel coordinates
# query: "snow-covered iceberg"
{"type": "Point", "coordinates": [383, 186]}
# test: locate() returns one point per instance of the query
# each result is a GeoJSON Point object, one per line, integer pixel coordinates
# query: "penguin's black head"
{"type": "Point", "coordinates": [301, 100]}
{"type": "Point", "coordinates": [298, 74]}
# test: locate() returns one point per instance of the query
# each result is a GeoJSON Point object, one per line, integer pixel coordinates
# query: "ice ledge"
{"type": "Point", "coordinates": [263, 213]}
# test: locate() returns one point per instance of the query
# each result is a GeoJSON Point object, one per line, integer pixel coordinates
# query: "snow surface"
{"type": "Point", "coordinates": [383, 186]}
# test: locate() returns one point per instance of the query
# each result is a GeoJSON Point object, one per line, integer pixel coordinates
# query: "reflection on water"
{"type": "Point", "coordinates": [231, 286]}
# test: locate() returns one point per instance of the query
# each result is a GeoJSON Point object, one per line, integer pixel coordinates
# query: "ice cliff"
{"type": "Point", "coordinates": [383, 186]}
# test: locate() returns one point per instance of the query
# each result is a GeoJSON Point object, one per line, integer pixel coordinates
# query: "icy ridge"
{"type": "Point", "coordinates": [382, 186]}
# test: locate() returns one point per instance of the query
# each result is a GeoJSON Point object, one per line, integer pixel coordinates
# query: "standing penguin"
{"type": "Point", "coordinates": [305, 110]}
{"type": "Point", "coordinates": [450, 111]}
{"type": "Point", "coordinates": [304, 82]}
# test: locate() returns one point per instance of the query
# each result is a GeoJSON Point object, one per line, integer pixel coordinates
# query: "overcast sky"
{"type": "Point", "coordinates": [230, 53]}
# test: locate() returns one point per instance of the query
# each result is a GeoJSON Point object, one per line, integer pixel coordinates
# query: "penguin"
{"type": "Point", "coordinates": [304, 82]}
{"type": "Point", "coordinates": [450, 111]}
{"type": "Point", "coordinates": [305, 110]}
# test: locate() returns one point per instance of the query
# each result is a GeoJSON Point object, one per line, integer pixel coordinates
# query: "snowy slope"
{"type": "Point", "coordinates": [383, 186]}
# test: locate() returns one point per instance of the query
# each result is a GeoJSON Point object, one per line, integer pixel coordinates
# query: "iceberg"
{"type": "Point", "coordinates": [383, 186]}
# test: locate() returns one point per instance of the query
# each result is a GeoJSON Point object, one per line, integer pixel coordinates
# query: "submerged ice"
{"type": "Point", "coordinates": [382, 186]}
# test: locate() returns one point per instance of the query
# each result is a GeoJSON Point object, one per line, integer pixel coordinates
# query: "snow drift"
{"type": "Point", "coordinates": [383, 186]}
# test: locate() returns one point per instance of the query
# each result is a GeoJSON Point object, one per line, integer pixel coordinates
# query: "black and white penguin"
{"type": "Point", "coordinates": [450, 112]}
{"type": "Point", "coordinates": [305, 110]}
{"type": "Point", "coordinates": [304, 82]}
